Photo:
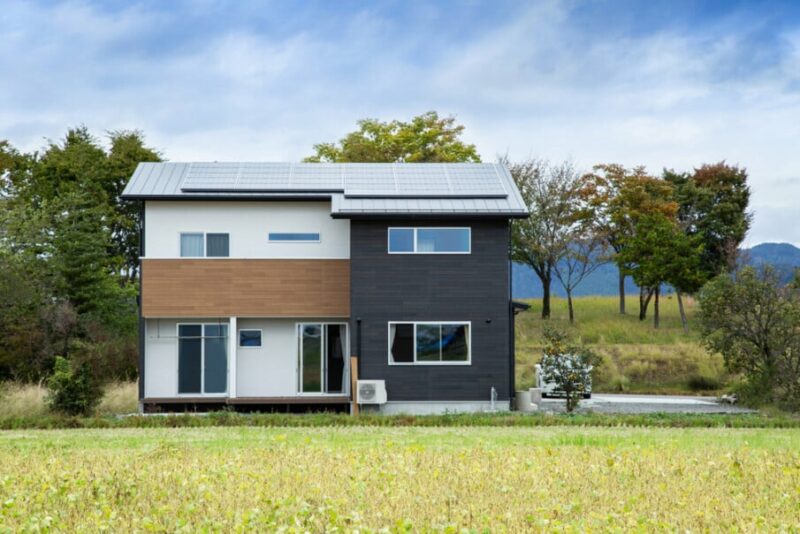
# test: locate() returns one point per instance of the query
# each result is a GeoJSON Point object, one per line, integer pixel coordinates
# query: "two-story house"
{"type": "Point", "coordinates": [259, 281]}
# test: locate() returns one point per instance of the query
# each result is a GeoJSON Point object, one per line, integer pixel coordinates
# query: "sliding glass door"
{"type": "Point", "coordinates": [202, 359]}
{"type": "Point", "coordinates": [322, 358]}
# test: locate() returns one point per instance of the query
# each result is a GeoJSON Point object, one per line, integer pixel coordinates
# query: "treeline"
{"type": "Point", "coordinates": [681, 229]}
{"type": "Point", "coordinates": [69, 255]}
{"type": "Point", "coordinates": [69, 245]}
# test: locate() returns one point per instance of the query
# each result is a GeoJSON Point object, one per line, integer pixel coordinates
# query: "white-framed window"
{"type": "Point", "coordinates": [430, 343]}
{"type": "Point", "coordinates": [294, 237]}
{"type": "Point", "coordinates": [429, 240]}
{"type": "Point", "coordinates": [250, 338]}
{"type": "Point", "coordinates": [205, 245]}
{"type": "Point", "coordinates": [202, 358]}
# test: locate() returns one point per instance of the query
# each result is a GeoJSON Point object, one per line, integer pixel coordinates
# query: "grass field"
{"type": "Point", "coordinates": [637, 358]}
{"type": "Point", "coordinates": [409, 479]}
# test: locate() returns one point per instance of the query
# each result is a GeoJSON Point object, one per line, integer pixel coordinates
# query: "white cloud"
{"type": "Point", "coordinates": [531, 85]}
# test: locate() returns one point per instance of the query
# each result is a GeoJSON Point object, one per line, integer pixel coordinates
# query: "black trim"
{"type": "Point", "coordinates": [140, 300]}
{"type": "Point", "coordinates": [430, 215]}
{"type": "Point", "coordinates": [519, 307]}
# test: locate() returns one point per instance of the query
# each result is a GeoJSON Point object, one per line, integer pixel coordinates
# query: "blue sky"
{"type": "Point", "coordinates": [663, 84]}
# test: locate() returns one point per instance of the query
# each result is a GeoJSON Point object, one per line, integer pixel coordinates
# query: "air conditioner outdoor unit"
{"type": "Point", "coordinates": [371, 392]}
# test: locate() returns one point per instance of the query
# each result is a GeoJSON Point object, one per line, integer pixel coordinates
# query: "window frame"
{"type": "Point", "coordinates": [227, 234]}
{"type": "Point", "coordinates": [180, 244]}
{"type": "Point", "coordinates": [391, 361]}
{"type": "Point", "coordinates": [260, 338]}
{"type": "Point", "coordinates": [416, 229]}
{"type": "Point", "coordinates": [205, 255]}
{"type": "Point", "coordinates": [294, 241]}
{"type": "Point", "coordinates": [203, 336]}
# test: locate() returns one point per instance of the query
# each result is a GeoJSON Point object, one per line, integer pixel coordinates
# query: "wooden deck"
{"type": "Point", "coordinates": [309, 399]}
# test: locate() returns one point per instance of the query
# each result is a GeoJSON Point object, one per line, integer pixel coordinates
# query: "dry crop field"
{"type": "Point", "coordinates": [400, 479]}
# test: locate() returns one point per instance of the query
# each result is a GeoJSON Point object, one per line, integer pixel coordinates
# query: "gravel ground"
{"type": "Point", "coordinates": [619, 403]}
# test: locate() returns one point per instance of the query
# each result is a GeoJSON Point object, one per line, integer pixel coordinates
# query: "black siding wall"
{"type": "Point", "coordinates": [420, 287]}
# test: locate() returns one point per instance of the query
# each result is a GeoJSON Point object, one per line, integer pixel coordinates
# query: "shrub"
{"type": "Point", "coordinates": [72, 389]}
{"type": "Point", "coordinates": [751, 319]}
{"type": "Point", "coordinates": [567, 365]}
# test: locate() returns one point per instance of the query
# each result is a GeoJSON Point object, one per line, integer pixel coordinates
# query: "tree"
{"type": "Point", "coordinates": [585, 253]}
{"type": "Point", "coordinates": [543, 239]}
{"type": "Point", "coordinates": [621, 197]}
{"type": "Point", "coordinates": [127, 151]}
{"type": "Point", "coordinates": [752, 320]}
{"type": "Point", "coordinates": [659, 252]}
{"type": "Point", "coordinates": [65, 227]}
{"type": "Point", "coordinates": [567, 365]}
{"type": "Point", "coordinates": [426, 138]}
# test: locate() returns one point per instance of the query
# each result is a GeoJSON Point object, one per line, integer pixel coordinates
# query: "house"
{"type": "Point", "coordinates": [259, 281]}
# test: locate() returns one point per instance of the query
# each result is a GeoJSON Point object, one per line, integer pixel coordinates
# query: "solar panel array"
{"type": "Point", "coordinates": [353, 179]}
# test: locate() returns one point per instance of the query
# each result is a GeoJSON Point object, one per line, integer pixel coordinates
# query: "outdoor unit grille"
{"type": "Point", "coordinates": [371, 392]}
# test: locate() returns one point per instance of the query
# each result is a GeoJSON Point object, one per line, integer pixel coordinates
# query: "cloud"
{"type": "Point", "coordinates": [590, 82]}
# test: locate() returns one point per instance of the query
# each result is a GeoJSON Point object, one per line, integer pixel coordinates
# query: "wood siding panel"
{"type": "Point", "coordinates": [245, 288]}
{"type": "Point", "coordinates": [433, 287]}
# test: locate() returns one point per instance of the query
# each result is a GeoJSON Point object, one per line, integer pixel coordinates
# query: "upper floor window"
{"type": "Point", "coordinates": [429, 240]}
{"type": "Point", "coordinates": [294, 237]}
{"type": "Point", "coordinates": [199, 245]}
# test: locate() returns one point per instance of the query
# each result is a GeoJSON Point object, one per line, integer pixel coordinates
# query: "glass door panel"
{"type": "Point", "coordinates": [190, 358]}
{"type": "Point", "coordinates": [215, 363]}
{"type": "Point", "coordinates": [311, 348]}
{"type": "Point", "coordinates": [335, 346]}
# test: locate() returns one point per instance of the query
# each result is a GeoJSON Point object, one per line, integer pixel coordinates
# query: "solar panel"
{"type": "Point", "coordinates": [431, 180]}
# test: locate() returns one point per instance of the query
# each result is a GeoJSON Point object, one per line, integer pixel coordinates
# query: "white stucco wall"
{"type": "Point", "coordinates": [248, 224]}
{"type": "Point", "coordinates": [269, 370]}
{"type": "Point", "coordinates": [266, 371]}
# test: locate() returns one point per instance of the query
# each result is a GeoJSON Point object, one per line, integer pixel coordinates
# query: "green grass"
{"type": "Point", "coordinates": [514, 419]}
{"type": "Point", "coordinates": [400, 480]}
{"type": "Point", "coordinates": [20, 400]}
{"type": "Point", "coordinates": [637, 358]}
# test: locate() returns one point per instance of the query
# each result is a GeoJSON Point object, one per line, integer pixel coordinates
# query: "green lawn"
{"type": "Point", "coordinates": [400, 479]}
{"type": "Point", "coordinates": [636, 357]}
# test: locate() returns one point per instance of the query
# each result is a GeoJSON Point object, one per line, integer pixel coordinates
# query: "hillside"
{"type": "Point", "coordinates": [783, 256]}
{"type": "Point", "coordinates": [636, 357]}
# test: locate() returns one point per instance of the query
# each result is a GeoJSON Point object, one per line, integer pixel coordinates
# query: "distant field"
{"type": "Point", "coordinates": [637, 357]}
{"type": "Point", "coordinates": [400, 479]}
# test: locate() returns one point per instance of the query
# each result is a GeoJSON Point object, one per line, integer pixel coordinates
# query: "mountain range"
{"type": "Point", "coordinates": [784, 257]}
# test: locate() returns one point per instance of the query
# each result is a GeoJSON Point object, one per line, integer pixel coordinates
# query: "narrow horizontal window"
{"type": "Point", "coordinates": [429, 343]}
{"type": "Point", "coordinates": [430, 240]}
{"type": "Point", "coordinates": [217, 245]}
{"type": "Point", "coordinates": [294, 237]}
{"type": "Point", "coordinates": [249, 338]}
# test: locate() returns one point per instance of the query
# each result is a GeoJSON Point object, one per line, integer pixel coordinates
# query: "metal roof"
{"type": "Point", "coordinates": [355, 189]}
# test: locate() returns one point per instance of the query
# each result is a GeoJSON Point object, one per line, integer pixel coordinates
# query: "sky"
{"type": "Point", "coordinates": [663, 84]}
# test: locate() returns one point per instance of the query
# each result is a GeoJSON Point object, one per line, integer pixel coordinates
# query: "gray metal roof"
{"type": "Point", "coordinates": [355, 189]}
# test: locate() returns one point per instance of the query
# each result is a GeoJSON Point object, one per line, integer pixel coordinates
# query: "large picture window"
{"type": "Point", "coordinates": [429, 343]}
{"type": "Point", "coordinates": [429, 240]}
{"type": "Point", "coordinates": [202, 359]}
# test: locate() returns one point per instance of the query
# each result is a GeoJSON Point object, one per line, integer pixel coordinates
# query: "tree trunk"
{"type": "Point", "coordinates": [569, 305]}
{"type": "Point", "coordinates": [684, 322]}
{"type": "Point", "coordinates": [546, 297]}
{"type": "Point", "coordinates": [655, 307]}
{"type": "Point", "coordinates": [645, 294]}
{"type": "Point", "coordinates": [621, 292]}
